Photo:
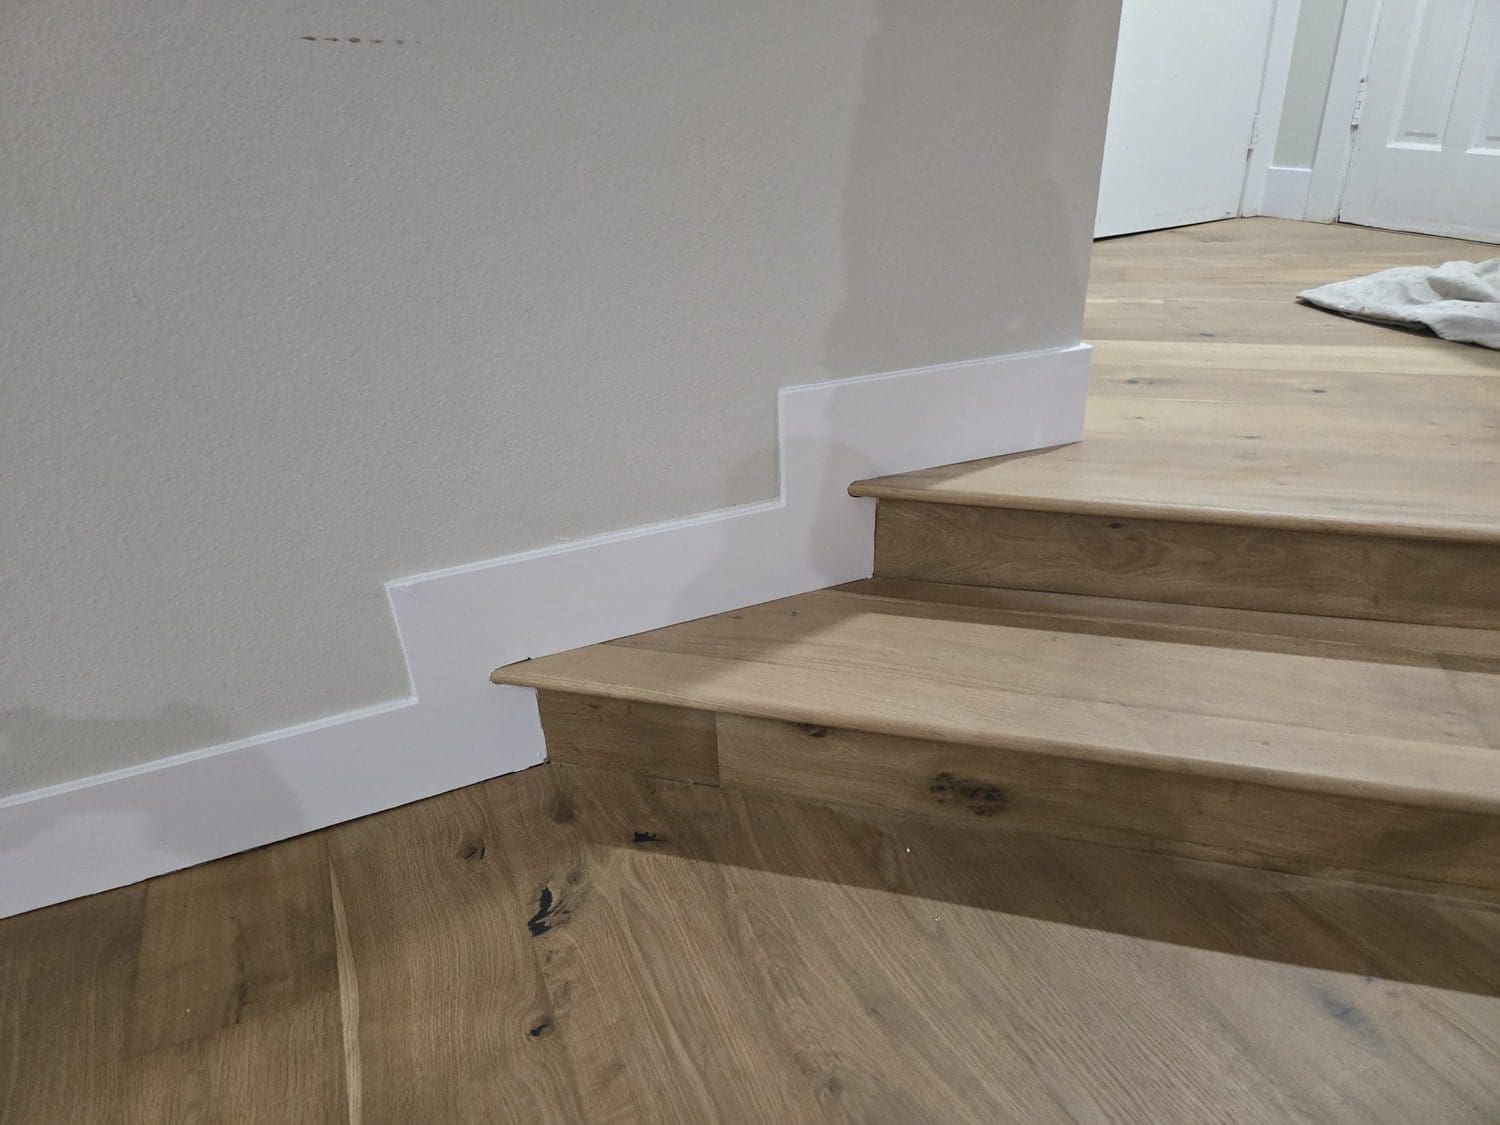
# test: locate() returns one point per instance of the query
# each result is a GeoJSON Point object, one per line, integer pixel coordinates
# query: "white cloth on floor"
{"type": "Point", "coordinates": [1457, 300]}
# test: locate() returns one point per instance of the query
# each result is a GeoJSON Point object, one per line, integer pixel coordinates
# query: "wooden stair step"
{"type": "Point", "coordinates": [1443, 494]}
{"type": "Point", "coordinates": [1295, 742]}
{"type": "Point", "coordinates": [1194, 558]}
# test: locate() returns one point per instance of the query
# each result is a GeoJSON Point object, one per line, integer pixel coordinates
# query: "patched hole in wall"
{"type": "Point", "coordinates": [360, 39]}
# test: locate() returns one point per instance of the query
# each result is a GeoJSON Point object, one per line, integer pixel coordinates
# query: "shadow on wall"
{"type": "Point", "coordinates": [948, 192]}
{"type": "Point", "coordinates": [949, 189]}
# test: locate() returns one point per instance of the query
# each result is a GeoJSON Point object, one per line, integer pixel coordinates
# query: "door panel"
{"type": "Point", "coordinates": [1427, 150]}
{"type": "Point", "coordinates": [1486, 138]}
{"type": "Point", "coordinates": [1186, 87]}
{"type": "Point", "coordinates": [1437, 35]}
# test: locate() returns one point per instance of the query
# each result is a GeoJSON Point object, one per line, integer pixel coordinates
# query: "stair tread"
{"type": "Point", "coordinates": [1241, 481]}
{"type": "Point", "coordinates": [1399, 712]}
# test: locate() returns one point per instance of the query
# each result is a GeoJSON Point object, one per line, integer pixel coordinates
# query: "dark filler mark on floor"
{"type": "Point", "coordinates": [540, 922]}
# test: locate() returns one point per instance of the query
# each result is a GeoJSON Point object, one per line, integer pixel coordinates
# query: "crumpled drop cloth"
{"type": "Point", "coordinates": [1456, 300]}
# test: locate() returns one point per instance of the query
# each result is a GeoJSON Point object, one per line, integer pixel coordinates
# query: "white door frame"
{"type": "Point", "coordinates": [1336, 136]}
{"type": "Point", "coordinates": [1351, 63]}
{"type": "Point", "coordinates": [1272, 101]}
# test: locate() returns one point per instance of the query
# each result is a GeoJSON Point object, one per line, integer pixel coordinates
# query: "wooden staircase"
{"type": "Point", "coordinates": [1170, 637]}
{"type": "Point", "coordinates": [1308, 701]}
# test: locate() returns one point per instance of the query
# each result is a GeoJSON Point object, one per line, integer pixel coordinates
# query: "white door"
{"type": "Point", "coordinates": [1427, 148]}
{"type": "Point", "coordinates": [1187, 83]}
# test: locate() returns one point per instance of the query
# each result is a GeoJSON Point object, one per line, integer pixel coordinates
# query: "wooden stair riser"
{"type": "Point", "coordinates": [1260, 568]}
{"type": "Point", "coordinates": [676, 743]}
{"type": "Point", "coordinates": [1173, 813]}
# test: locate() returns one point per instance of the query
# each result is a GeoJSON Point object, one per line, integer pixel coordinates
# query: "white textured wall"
{"type": "Point", "coordinates": [1307, 82]}
{"type": "Point", "coordinates": [284, 319]}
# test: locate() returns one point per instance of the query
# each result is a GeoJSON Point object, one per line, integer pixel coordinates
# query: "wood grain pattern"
{"type": "Point", "coordinates": [644, 964]}
{"type": "Point", "coordinates": [67, 977]}
{"type": "Point", "coordinates": [1340, 722]}
{"type": "Point", "coordinates": [633, 1053]}
{"type": "Point", "coordinates": [236, 992]}
{"type": "Point", "coordinates": [643, 738]}
{"type": "Point", "coordinates": [1179, 814]}
{"type": "Point", "coordinates": [210, 994]}
{"type": "Point", "coordinates": [1215, 397]}
{"type": "Point", "coordinates": [1351, 637]}
{"type": "Point", "coordinates": [762, 959]}
{"type": "Point", "coordinates": [1382, 578]}
{"type": "Point", "coordinates": [452, 1010]}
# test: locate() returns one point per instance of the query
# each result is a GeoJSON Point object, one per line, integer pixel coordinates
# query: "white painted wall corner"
{"type": "Point", "coordinates": [456, 625]}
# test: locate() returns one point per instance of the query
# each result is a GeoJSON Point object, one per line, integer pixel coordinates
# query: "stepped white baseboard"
{"type": "Point", "coordinates": [1285, 195]}
{"type": "Point", "coordinates": [456, 625]}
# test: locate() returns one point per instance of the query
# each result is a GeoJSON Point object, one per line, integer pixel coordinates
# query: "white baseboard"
{"type": "Point", "coordinates": [1286, 191]}
{"type": "Point", "coordinates": [457, 625]}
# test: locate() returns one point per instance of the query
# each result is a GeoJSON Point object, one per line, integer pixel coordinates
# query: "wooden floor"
{"type": "Point", "coordinates": [569, 944]}
{"type": "Point", "coordinates": [577, 944]}
{"type": "Point", "coordinates": [1214, 394]}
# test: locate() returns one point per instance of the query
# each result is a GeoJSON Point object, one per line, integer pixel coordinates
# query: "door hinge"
{"type": "Point", "coordinates": [1255, 132]}
{"type": "Point", "coordinates": [1359, 105]}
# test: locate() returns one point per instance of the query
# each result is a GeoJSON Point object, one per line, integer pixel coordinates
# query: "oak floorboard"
{"type": "Point", "coordinates": [644, 963]}
{"type": "Point", "coordinates": [67, 975]}
{"type": "Point", "coordinates": [899, 1031]}
{"type": "Point", "coordinates": [235, 1006]}
{"type": "Point", "coordinates": [450, 1012]}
